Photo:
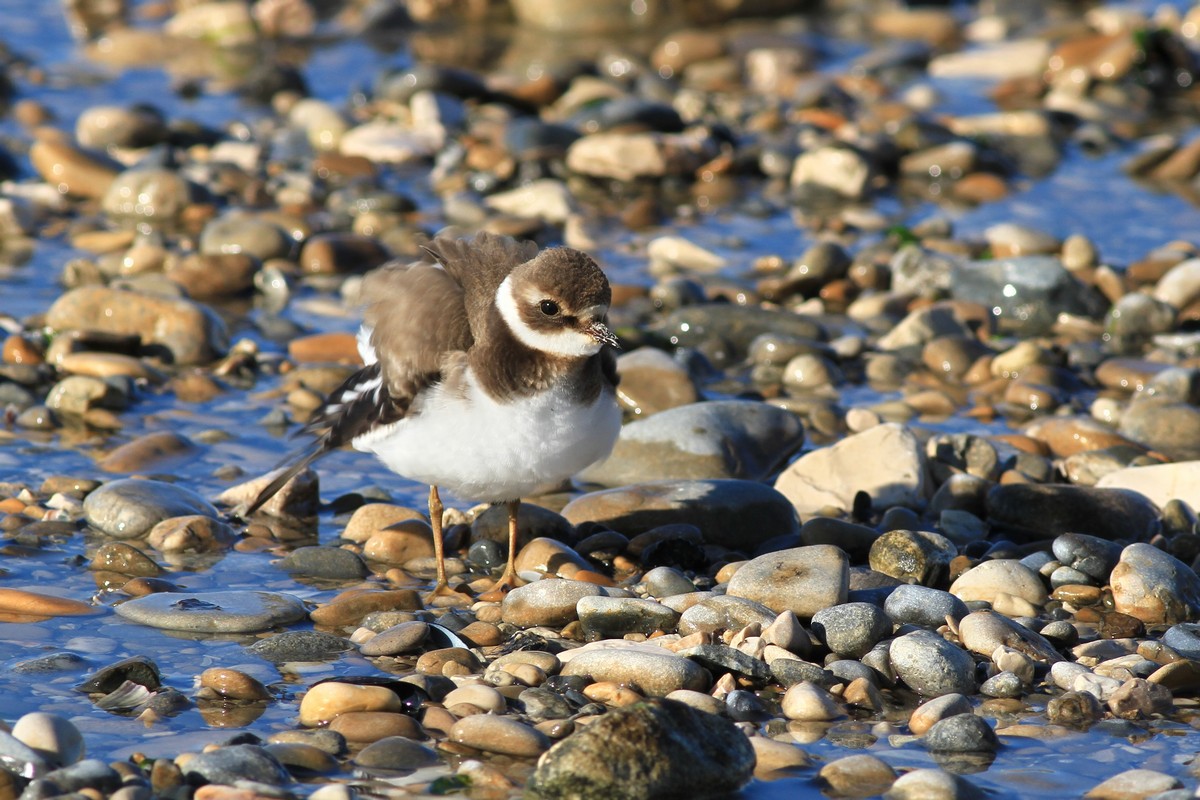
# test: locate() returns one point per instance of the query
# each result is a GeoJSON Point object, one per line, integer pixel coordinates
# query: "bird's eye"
{"type": "Point", "coordinates": [549, 308]}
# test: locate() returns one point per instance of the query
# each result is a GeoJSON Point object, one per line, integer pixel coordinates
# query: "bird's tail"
{"type": "Point", "coordinates": [290, 467]}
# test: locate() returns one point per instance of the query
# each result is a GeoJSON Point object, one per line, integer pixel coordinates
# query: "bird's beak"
{"type": "Point", "coordinates": [600, 332]}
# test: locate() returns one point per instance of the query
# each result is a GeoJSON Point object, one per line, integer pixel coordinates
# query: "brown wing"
{"type": "Point", "coordinates": [417, 318]}
{"type": "Point", "coordinates": [479, 266]}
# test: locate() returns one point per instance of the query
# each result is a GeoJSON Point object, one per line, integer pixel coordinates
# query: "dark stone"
{"type": "Point", "coordinates": [138, 669]}
{"type": "Point", "coordinates": [300, 646]}
{"type": "Point", "coordinates": [657, 750]}
{"type": "Point", "coordinates": [1043, 511]}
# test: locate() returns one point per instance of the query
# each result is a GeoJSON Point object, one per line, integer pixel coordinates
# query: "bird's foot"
{"type": "Point", "coordinates": [507, 582]}
{"type": "Point", "coordinates": [442, 596]}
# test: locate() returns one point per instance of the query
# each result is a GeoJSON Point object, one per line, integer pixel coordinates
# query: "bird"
{"type": "Point", "coordinates": [489, 371]}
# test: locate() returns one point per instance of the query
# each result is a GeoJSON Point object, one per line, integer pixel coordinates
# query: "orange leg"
{"type": "Point", "coordinates": [509, 580]}
{"type": "Point", "coordinates": [441, 588]}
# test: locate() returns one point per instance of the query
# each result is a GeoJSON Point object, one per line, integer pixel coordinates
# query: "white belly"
{"type": "Point", "coordinates": [482, 450]}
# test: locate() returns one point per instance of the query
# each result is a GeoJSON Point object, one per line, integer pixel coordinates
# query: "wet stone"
{"type": "Point", "coordinates": [1040, 288]}
{"type": "Point", "coordinates": [541, 704]}
{"type": "Point", "coordinates": [179, 330]}
{"type": "Point", "coordinates": [130, 507]}
{"type": "Point", "coordinates": [546, 602]}
{"type": "Point", "coordinates": [136, 669]}
{"type": "Point", "coordinates": [54, 737]}
{"type": "Point", "coordinates": [962, 733]}
{"type": "Point", "coordinates": [300, 646]}
{"type": "Point", "coordinates": [395, 752]}
{"type": "Point", "coordinates": [239, 762]}
{"type": "Point", "coordinates": [54, 662]}
{"type": "Point", "coordinates": [402, 638]}
{"type": "Point", "coordinates": [650, 750]}
{"type": "Point", "coordinates": [719, 439]}
{"type": "Point", "coordinates": [496, 734]}
{"type": "Point", "coordinates": [857, 776]}
{"type": "Point", "coordinates": [330, 563]}
{"type": "Point", "coordinates": [214, 612]}
{"type": "Point", "coordinates": [652, 381]}
{"type": "Point", "coordinates": [724, 613]}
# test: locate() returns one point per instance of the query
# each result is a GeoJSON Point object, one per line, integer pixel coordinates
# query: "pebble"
{"type": "Point", "coordinates": [23, 603]}
{"type": "Point", "coordinates": [1154, 586]}
{"type": "Point", "coordinates": [233, 684]}
{"type": "Point", "coordinates": [1133, 783]}
{"type": "Point", "coordinates": [300, 646]}
{"type": "Point", "coordinates": [999, 576]}
{"type": "Point", "coordinates": [130, 507]}
{"type": "Point", "coordinates": [213, 612]}
{"type": "Point", "coordinates": [182, 331]}
{"type": "Point", "coordinates": [983, 631]}
{"type": "Point", "coordinates": [502, 735]}
{"type": "Point", "coordinates": [923, 605]}
{"type": "Point", "coordinates": [237, 762]}
{"type": "Point", "coordinates": [402, 638]}
{"type": "Point", "coordinates": [654, 749]}
{"type": "Point", "coordinates": [803, 580]}
{"type": "Point", "coordinates": [738, 439]}
{"type": "Point", "coordinates": [329, 563]}
{"type": "Point", "coordinates": [933, 784]}
{"type": "Point", "coordinates": [851, 629]}
{"type": "Point", "coordinates": [358, 727]}
{"type": "Point", "coordinates": [325, 701]}
{"type": "Point", "coordinates": [962, 733]}
{"type": "Point", "coordinates": [858, 775]}
{"type": "Point", "coordinates": [807, 702]}
{"type": "Point", "coordinates": [654, 671]}
{"type": "Point", "coordinates": [652, 381]}
{"type": "Point", "coordinates": [930, 665]}
{"type": "Point", "coordinates": [546, 602]}
{"type": "Point", "coordinates": [394, 753]}
{"type": "Point", "coordinates": [1046, 511]}
{"type": "Point", "coordinates": [53, 737]}
{"type": "Point", "coordinates": [613, 617]}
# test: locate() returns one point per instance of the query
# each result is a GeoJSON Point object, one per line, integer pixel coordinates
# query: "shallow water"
{"type": "Point", "coordinates": [1086, 194]}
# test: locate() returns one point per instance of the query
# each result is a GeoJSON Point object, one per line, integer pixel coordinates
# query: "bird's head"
{"type": "Point", "coordinates": [556, 303]}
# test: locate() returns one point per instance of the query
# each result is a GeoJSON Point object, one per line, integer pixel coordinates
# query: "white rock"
{"type": "Point", "coordinates": [989, 579]}
{"type": "Point", "coordinates": [885, 461]}
{"type": "Point", "coordinates": [839, 169]}
{"type": "Point", "coordinates": [545, 199]}
{"type": "Point", "coordinates": [1159, 482]}
{"type": "Point", "coordinates": [1015, 59]}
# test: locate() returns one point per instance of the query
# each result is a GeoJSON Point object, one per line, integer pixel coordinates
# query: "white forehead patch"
{"type": "Point", "coordinates": [565, 342]}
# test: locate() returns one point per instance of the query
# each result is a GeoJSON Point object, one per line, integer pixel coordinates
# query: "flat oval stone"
{"type": "Point", "coordinates": [130, 507]}
{"type": "Point", "coordinates": [325, 701]}
{"type": "Point", "coordinates": [731, 513]}
{"type": "Point", "coordinates": [740, 439]}
{"type": "Point", "coordinates": [611, 617]}
{"type": "Point", "coordinates": [213, 612]}
{"type": "Point", "coordinates": [395, 640]}
{"type": "Point", "coordinates": [496, 734]}
{"type": "Point", "coordinates": [802, 580]}
{"type": "Point", "coordinates": [1043, 511]}
{"type": "Point", "coordinates": [1002, 575]}
{"type": "Point", "coordinates": [396, 752]}
{"type": "Point", "coordinates": [300, 646]}
{"type": "Point", "coordinates": [239, 762]}
{"type": "Point", "coordinates": [654, 671]}
{"type": "Point", "coordinates": [36, 604]}
{"type": "Point", "coordinates": [546, 602]}
{"type": "Point", "coordinates": [371, 726]}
